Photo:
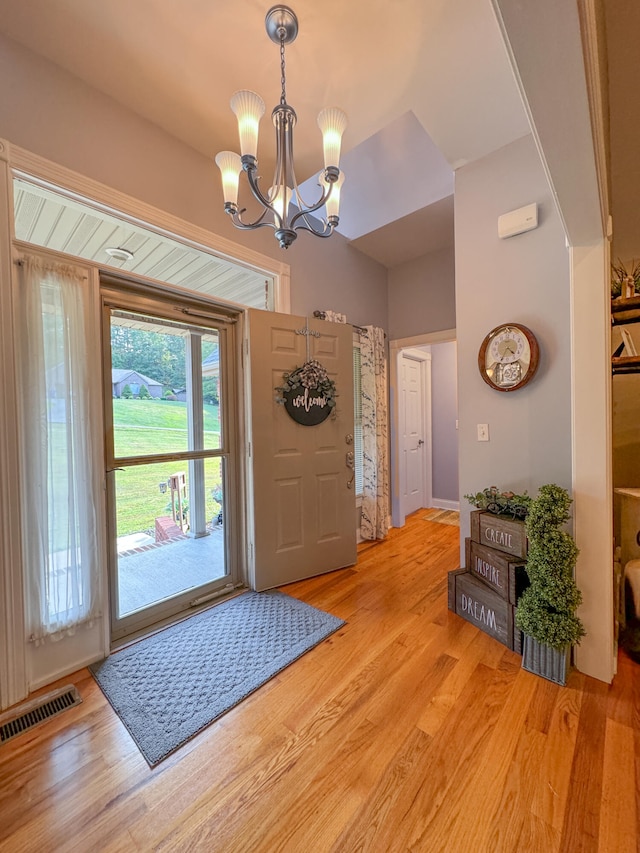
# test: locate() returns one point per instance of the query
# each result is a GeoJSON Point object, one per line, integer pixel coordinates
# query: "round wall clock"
{"type": "Point", "coordinates": [508, 357]}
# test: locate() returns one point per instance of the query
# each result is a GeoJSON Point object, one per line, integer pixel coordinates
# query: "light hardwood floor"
{"type": "Point", "coordinates": [408, 729]}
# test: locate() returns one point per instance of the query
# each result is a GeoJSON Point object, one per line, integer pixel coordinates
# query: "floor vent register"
{"type": "Point", "coordinates": [24, 717]}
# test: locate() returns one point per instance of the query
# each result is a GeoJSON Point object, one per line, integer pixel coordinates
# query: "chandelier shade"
{"type": "Point", "coordinates": [230, 166]}
{"type": "Point", "coordinates": [332, 122]}
{"type": "Point", "coordinates": [249, 109]}
{"type": "Point", "coordinates": [333, 202]}
{"type": "Point", "coordinates": [282, 206]}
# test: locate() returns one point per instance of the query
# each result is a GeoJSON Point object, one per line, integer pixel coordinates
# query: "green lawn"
{"type": "Point", "coordinates": [141, 427]}
{"type": "Point", "coordinates": [162, 414]}
{"type": "Point", "coordinates": [144, 427]}
{"type": "Point", "coordinates": [139, 500]}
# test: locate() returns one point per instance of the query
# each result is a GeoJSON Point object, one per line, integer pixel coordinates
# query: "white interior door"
{"type": "Point", "coordinates": [414, 444]}
{"type": "Point", "coordinates": [304, 509]}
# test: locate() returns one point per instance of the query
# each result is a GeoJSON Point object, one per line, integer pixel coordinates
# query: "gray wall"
{"type": "Point", "coordinates": [422, 295]}
{"type": "Point", "coordinates": [444, 408]}
{"type": "Point", "coordinates": [49, 112]}
{"type": "Point", "coordinates": [521, 279]}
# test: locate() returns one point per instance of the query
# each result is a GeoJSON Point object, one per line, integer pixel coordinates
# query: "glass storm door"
{"type": "Point", "coordinates": [169, 462]}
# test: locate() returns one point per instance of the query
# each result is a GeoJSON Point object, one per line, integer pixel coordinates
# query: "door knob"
{"type": "Point", "coordinates": [420, 442]}
{"type": "Point", "coordinates": [350, 459]}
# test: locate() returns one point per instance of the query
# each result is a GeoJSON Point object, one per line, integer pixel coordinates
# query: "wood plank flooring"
{"type": "Point", "coordinates": [407, 730]}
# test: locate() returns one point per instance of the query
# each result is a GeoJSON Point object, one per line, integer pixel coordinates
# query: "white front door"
{"type": "Point", "coordinates": [414, 445]}
{"type": "Point", "coordinates": [304, 509]}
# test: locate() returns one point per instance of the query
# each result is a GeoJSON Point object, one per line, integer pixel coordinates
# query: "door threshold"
{"type": "Point", "coordinates": [150, 630]}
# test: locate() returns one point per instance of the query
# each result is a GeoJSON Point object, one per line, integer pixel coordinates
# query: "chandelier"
{"type": "Point", "coordinates": [282, 206]}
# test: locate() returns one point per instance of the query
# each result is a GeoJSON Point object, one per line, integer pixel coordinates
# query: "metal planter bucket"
{"type": "Point", "coordinates": [542, 660]}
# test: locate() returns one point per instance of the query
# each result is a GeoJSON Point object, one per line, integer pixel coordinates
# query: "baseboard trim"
{"type": "Point", "coordinates": [440, 503]}
{"type": "Point", "coordinates": [64, 671]}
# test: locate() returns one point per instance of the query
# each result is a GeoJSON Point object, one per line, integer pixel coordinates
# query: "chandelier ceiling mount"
{"type": "Point", "coordinates": [281, 24]}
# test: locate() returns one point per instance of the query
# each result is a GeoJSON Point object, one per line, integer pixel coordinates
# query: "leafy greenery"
{"type": "Point", "coordinates": [210, 391]}
{"type": "Point", "coordinates": [159, 356]}
{"type": "Point", "coordinates": [127, 393]}
{"type": "Point", "coordinates": [501, 503]}
{"type": "Point", "coordinates": [546, 609]}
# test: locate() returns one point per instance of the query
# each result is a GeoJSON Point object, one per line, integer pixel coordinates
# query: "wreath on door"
{"type": "Point", "coordinates": [308, 393]}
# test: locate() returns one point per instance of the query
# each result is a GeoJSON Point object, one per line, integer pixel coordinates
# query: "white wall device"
{"type": "Point", "coordinates": [518, 221]}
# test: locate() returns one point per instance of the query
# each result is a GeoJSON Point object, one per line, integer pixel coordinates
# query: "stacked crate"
{"type": "Point", "coordinates": [487, 590]}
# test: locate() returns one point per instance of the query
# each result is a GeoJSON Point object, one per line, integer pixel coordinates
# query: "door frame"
{"type": "Point", "coordinates": [142, 296]}
{"type": "Point", "coordinates": [396, 348]}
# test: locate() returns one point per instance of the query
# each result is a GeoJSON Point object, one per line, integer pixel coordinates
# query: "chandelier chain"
{"type": "Point", "coordinates": [283, 80]}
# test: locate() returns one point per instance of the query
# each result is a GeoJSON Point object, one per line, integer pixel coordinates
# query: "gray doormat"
{"type": "Point", "coordinates": [168, 687]}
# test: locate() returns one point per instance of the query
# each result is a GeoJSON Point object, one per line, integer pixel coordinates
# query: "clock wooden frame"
{"type": "Point", "coordinates": [534, 350]}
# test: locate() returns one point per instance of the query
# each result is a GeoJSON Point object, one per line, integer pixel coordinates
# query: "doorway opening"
{"type": "Point", "coordinates": [170, 458]}
{"type": "Point", "coordinates": [424, 425]}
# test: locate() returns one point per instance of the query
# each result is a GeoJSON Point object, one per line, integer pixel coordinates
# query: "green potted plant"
{"type": "Point", "coordinates": [501, 503]}
{"type": "Point", "coordinates": [546, 611]}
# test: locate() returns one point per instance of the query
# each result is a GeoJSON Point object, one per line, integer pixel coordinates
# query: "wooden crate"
{"type": "Point", "coordinates": [495, 531]}
{"type": "Point", "coordinates": [480, 605]}
{"type": "Point", "coordinates": [497, 569]}
{"type": "Point", "coordinates": [517, 636]}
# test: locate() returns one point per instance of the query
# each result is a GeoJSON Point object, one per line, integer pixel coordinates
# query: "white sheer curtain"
{"type": "Point", "coordinates": [374, 523]}
{"type": "Point", "coordinates": [59, 482]}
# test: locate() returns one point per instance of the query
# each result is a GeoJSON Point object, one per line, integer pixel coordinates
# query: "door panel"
{"type": "Point", "coordinates": [288, 507]}
{"type": "Point", "coordinates": [304, 495]}
{"type": "Point", "coordinates": [328, 493]}
{"type": "Point", "coordinates": [413, 439]}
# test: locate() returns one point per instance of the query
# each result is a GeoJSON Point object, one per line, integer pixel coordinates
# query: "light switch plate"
{"type": "Point", "coordinates": [483, 432]}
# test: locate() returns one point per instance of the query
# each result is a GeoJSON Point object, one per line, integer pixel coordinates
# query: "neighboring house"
{"type": "Point", "coordinates": [211, 365]}
{"type": "Point", "coordinates": [120, 377]}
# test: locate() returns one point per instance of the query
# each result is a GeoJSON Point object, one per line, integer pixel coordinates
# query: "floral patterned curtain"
{"type": "Point", "coordinates": [331, 316]}
{"type": "Point", "coordinates": [375, 435]}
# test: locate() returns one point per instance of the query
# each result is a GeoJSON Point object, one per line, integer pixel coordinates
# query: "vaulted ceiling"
{"type": "Point", "coordinates": [426, 84]}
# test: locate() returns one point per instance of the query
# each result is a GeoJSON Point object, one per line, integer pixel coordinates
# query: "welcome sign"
{"type": "Point", "coordinates": [308, 394]}
{"type": "Point", "coordinates": [307, 406]}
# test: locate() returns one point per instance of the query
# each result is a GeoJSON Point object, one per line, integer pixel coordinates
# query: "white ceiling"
{"type": "Point", "coordinates": [426, 84]}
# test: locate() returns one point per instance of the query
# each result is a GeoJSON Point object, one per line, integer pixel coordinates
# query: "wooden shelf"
{"type": "Point", "coordinates": [625, 364]}
{"type": "Point", "coordinates": [625, 311]}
